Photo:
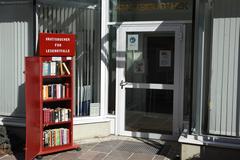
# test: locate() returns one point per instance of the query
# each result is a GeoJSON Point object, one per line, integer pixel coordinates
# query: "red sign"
{"type": "Point", "coordinates": [56, 44]}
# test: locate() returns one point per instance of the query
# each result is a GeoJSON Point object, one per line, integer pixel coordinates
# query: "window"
{"type": "Point", "coordinates": [150, 10]}
{"type": "Point", "coordinates": [217, 72]}
{"type": "Point", "coordinates": [83, 19]}
{"type": "Point", "coordinates": [223, 93]}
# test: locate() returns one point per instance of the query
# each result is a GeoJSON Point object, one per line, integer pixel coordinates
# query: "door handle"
{"type": "Point", "coordinates": [122, 84]}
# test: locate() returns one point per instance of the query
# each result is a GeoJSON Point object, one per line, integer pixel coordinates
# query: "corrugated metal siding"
{"type": "Point", "coordinates": [83, 21]}
{"type": "Point", "coordinates": [14, 46]}
{"type": "Point", "coordinates": [223, 101]}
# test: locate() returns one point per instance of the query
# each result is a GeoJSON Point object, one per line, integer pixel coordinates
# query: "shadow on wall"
{"type": "Point", "coordinates": [14, 136]}
{"type": "Point", "coordinates": [208, 153]}
{"type": "Point", "coordinates": [165, 149]}
{"type": "Point", "coordinates": [16, 19]}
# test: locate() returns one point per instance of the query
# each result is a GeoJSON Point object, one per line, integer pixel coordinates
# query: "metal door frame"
{"type": "Point", "coordinates": [179, 30]}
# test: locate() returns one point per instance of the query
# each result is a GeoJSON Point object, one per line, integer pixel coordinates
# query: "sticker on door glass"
{"type": "Point", "coordinates": [165, 58]}
{"type": "Point", "coordinates": [139, 67]}
{"type": "Point", "coordinates": [132, 44]}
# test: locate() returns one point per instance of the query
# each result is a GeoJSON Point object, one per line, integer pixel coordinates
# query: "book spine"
{"type": "Point", "coordinates": [58, 90]}
{"type": "Point", "coordinates": [63, 89]}
{"type": "Point", "coordinates": [49, 91]}
{"type": "Point", "coordinates": [54, 91]}
{"type": "Point", "coordinates": [69, 114]}
{"type": "Point", "coordinates": [45, 69]}
{"type": "Point", "coordinates": [57, 137]}
{"type": "Point", "coordinates": [48, 116]}
{"type": "Point", "coordinates": [62, 132]}
{"type": "Point", "coordinates": [53, 68]}
{"type": "Point", "coordinates": [66, 68]}
{"type": "Point", "coordinates": [67, 90]}
{"type": "Point", "coordinates": [67, 136]}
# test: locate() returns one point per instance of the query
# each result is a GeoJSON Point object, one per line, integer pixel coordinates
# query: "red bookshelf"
{"type": "Point", "coordinates": [57, 134]}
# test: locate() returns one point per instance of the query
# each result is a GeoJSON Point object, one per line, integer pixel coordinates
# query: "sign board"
{"type": "Point", "coordinates": [132, 43]}
{"type": "Point", "coordinates": [165, 58]}
{"type": "Point", "coordinates": [56, 44]}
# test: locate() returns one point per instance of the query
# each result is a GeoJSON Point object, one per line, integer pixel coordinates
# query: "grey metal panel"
{"type": "Point", "coordinates": [213, 86]}
{"type": "Point", "coordinates": [14, 48]}
{"type": "Point", "coordinates": [219, 74]}
{"type": "Point", "coordinates": [230, 76]}
{"type": "Point", "coordinates": [235, 115]}
{"type": "Point", "coordinates": [16, 42]}
{"type": "Point", "coordinates": [224, 77]}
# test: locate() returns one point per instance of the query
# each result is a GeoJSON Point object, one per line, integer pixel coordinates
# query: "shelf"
{"type": "Point", "coordinates": [57, 99]}
{"type": "Point", "coordinates": [47, 150]}
{"type": "Point", "coordinates": [56, 123]}
{"type": "Point", "coordinates": [57, 76]}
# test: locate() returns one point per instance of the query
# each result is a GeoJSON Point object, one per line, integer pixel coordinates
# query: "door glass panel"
{"type": "Point", "coordinates": [149, 110]}
{"type": "Point", "coordinates": [150, 57]}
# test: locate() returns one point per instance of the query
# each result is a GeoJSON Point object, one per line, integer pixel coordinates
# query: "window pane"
{"type": "Point", "coordinates": [153, 61]}
{"type": "Point", "coordinates": [224, 77]}
{"type": "Point", "coordinates": [149, 10]}
{"type": "Point", "coordinates": [81, 18]}
{"type": "Point", "coordinates": [149, 110]}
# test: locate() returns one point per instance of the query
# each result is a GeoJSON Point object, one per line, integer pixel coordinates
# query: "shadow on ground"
{"type": "Point", "coordinates": [12, 142]}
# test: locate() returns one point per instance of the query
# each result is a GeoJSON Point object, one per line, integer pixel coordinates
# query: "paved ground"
{"type": "Point", "coordinates": [114, 148]}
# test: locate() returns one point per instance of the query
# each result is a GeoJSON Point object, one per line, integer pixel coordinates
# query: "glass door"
{"type": "Point", "coordinates": [149, 80]}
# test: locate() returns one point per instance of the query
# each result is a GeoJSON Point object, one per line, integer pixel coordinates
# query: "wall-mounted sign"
{"type": "Point", "coordinates": [132, 43]}
{"type": "Point", "coordinates": [165, 58]}
{"type": "Point", "coordinates": [54, 44]}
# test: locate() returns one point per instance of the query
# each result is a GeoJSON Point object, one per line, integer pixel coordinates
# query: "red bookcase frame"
{"type": "Point", "coordinates": [35, 125]}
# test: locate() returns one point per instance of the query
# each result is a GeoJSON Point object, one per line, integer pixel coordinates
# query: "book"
{"type": "Point", "coordinates": [66, 68]}
{"type": "Point", "coordinates": [55, 137]}
{"type": "Point", "coordinates": [45, 69]}
{"type": "Point", "coordinates": [67, 90]}
{"type": "Point", "coordinates": [63, 91]}
{"type": "Point", "coordinates": [53, 68]}
{"type": "Point", "coordinates": [45, 92]}
{"type": "Point", "coordinates": [61, 68]}
{"type": "Point", "coordinates": [56, 115]}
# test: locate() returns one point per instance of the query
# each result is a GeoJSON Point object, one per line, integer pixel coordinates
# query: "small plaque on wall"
{"type": "Point", "coordinates": [165, 58]}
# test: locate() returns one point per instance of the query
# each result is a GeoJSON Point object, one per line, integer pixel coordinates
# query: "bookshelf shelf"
{"type": "Point", "coordinates": [49, 150]}
{"type": "Point", "coordinates": [49, 98]}
{"type": "Point", "coordinates": [57, 77]}
{"type": "Point", "coordinates": [56, 123]}
{"type": "Point", "coordinates": [56, 100]}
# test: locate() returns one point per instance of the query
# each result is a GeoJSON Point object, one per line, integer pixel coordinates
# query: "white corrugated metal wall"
{"type": "Point", "coordinates": [224, 85]}
{"type": "Point", "coordinates": [16, 39]}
